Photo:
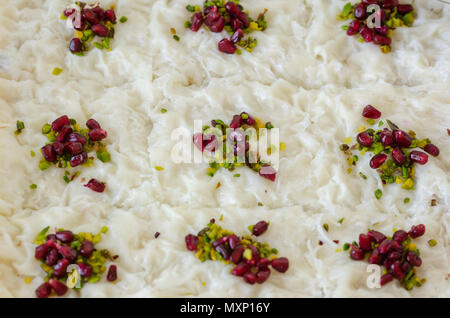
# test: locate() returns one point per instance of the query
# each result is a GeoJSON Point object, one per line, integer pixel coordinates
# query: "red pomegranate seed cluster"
{"type": "Point", "coordinates": [251, 259]}
{"type": "Point", "coordinates": [68, 146]}
{"type": "Point", "coordinates": [397, 254]}
{"type": "Point", "coordinates": [57, 252]}
{"type": "Point", "coordinates": [236, 133]}
{"type": "Point", "coordinates": [390, 14]}
{"type": "Point", "coordinates": [393, 149]}
{"type": "Point", "coordinates": [231, 17]}
{"type": "Point", "coordinates": [90, 21]}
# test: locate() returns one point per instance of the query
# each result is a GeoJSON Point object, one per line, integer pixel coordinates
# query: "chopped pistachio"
{"type": "Point", "coordinates": [378, 194]}
{"type": "Point", "coordinates": [432, 242]}
{"type": "Point", "coordinates": [123, 19]}
{"type": "Point", "coordinates": [33, 186]}
{"type": "Point", "coordinates": [56, 71]}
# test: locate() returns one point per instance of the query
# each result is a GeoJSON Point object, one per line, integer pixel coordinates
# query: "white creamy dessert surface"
{"type": "Point", "coordinates": [306, 76]}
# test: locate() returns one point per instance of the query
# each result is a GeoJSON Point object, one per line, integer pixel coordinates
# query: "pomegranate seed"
{"type": "Point", "coordinates": [75, 45]}
{"type": "Point", "coordinates": [417, 231]}
{"type": "Point", "coordinates": [259, 228]}
{"type": "Point", "coordinates": [95, 185]}
{"type": "Point", "coordinates": [237, 36]}
{"type": "Point", "coordinates": [223, 250]}
{"type": "Point", "coordinates": [413, 259]}
{"type": "Point", "coordinates": [41, 251]}
{"type": "Point", "coordinates": [232, 8]}
{"type": "Point", "coordinates": [76, 137]}
{"type": "Point", "coordinates": [236, 24]}
{"type": "Point", "coordinates": [240, 269]}
{"type": "Point", "coordinates": [65, 236]}
{"type": "Point", "coordinates": [87, 248]}
{"type": "Point", "coordinates": [387, 4]}
{"type": "Point", "coordinates": [386, 246]}
{"type": "Point", "coordinates": [60, 122]}
{"type": "Point", "coordinates": [396, 246]}
{"type": "Point", "coordinates": [59, 288]}
{"type": "Point", "coordinates": [406, 267]}
{"type": "Point", "coordinates": [236, 255]}
{"type": "Point", "coordinates": [383, 30]}
{"type": "Point", "coordinates": [191, 242]}
{"type": "Point", "coordinates": [388, 262]}
{"type": "Point", "coordinates": [51, 237]}
{"type": "Point", "coordinates": [376, 257]}
{"type": "Point", "coordinates": [351, 31]}
{"type": "Point", "coordinates": [68, 252]}
{"type": "Point", "coordinates": [44, 290]}
{"type": "Point", "coordinates": [196, 21]}
{"type": "Point", "coordinates": [376, 236]}
{"type": "Point", "coordinates": [85, 270]}
{"type": "Point", "coordinates": [99, 12]}
{"type": "Point", "coordinates": [364, 242]}
{"type": "Point", "coordinates": [264, 263]}
{"type": "Point", "coordinates": [68, 12]}
{"type": "Point", "coordinates": [215, 25]}
{"type": "Point", "coordinates": [404, 8]}
{"type": "Point", "coordinates": [236, 122]}
{"type": "Point", "coordinates": [59, 270]}
{"type": "Point", "coordinates": [243, 17]}
{"type": "Point", "coordinates": [377, 160]}
{"type": "Point", "coordinates": [90, 16]}
{"type": "Point", "coordinates": [233, 241]}
{"type": "Point", "coordinates": [226, 46]}
{"type": "Point", "coordinates": [386, 137]}
{"type": "Point", "coordinates": [48, 153]}
{"type": "Point", "coordinates": [397, 271]}
{"type": "Point", "coordinates": [367, 34]}
{"type": "Point", "coordinates": [280, 264]}
{"type": "Point", "coordinates": [398, 156]}
{"type": "Point", "coordinates": [93, 124]}
{"type": "Point", "coordinates": [394, 255]}
{"type": "Point", "coordinates": [432, 150]}
{"type": "Point", "coordinates": [262, 275]}
{"type": "Point", "coordinates": [63, 133]}
{"type": "Point", "coordinates": [250, 278]}
{"type": "Point", "coordinates": [386, 278]}
{"type": "Point", "coordinates": [52, 257]}
{"type": "Point", "coordinates": [400, 236]}
{"type": "Point", "coordinates": [112, 273]}
{"type": "Point", "coordinates": [110, 15]}
{"type": "Point", "coordinates": [97, 134]}
{"type": "Point", "coordinates": [381, 40]}
{"type": "Point", "coordinates": [58, 148]}
{"type": "Point", "coordinates": [360, 11]}
{"type": "Point", "coordinates": [354, 26]}
{"type": "Point", "coordinates": [364, 139]}
{"type": "Point", "coordinates": [220, 241]}
{"type": "Point", "coordinates": [78, 159]}
{"type": "Point", "coordinates": [402, 139]}
{"type": "Point", "coordinates": [74, 148]}
{"type": "Point", "coordinates": [419, 157]}
{"type": "Point", "coordinates": [268, 172]}
{"type": "Point", "coordinates": [371, 112]}
{"type": "Point", "coordinates": [100, 30]}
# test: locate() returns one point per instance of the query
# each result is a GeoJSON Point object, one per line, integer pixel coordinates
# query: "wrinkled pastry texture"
{"type": "Point", "coordinates": [305, 76]}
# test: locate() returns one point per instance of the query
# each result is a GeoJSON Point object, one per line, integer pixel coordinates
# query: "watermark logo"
{"type": "Point", "coordinates": [374, 279]}
{"type": "Point", "coordinates": [226, 145]}
{"type": "Point", "coordinates": [374, 19]}
{"type": "Point", "coordinates": [73, 276]}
